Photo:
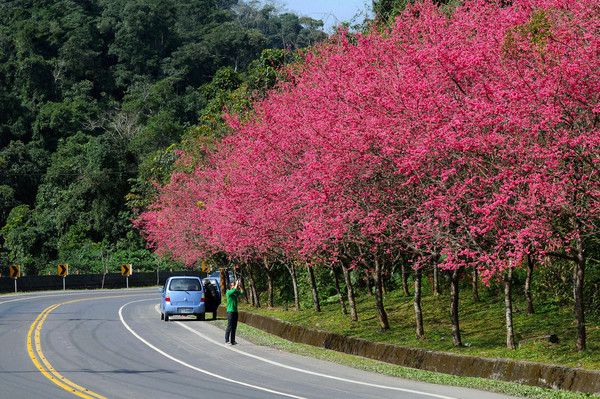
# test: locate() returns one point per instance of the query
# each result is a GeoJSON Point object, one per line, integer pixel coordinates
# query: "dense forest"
{"type": "Point", "coordinates": [95, 98]}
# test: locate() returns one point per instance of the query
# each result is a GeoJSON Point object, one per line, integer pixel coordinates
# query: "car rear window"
{"type": "Point", "coordinates": [185, 284]}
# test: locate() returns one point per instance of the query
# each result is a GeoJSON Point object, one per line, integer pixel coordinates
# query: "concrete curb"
{"type": "Point", "coordinates": [521, 372]}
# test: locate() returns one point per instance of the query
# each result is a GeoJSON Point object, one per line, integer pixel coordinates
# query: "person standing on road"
{"type": "Point", "coordinates": [232, 311]}
{"type": "Point", "coordinates": [212, 297]}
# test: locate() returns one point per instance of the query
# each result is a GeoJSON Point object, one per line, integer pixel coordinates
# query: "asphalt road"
{"type": "Point", "coordinates": [112, 344]}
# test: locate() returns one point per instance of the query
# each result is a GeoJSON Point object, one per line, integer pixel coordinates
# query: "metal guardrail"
{"type": "Point", "coordinates": [89, 281]}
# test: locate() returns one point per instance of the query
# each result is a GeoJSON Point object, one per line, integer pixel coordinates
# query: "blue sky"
{"type": "Point", "coordinates": [331, 12]}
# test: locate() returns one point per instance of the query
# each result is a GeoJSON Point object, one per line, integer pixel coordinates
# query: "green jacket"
{"type": "Point", "coordinates": [232, 299]}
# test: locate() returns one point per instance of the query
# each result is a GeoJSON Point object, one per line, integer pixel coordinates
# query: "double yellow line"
{"type": "Point", "coordinates": [37, 356]}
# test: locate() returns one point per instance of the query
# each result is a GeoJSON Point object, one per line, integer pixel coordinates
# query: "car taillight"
{"type": "Point", "coordinates": [202, 299]}
{"type": "Point", "coordinates": [167, 299]}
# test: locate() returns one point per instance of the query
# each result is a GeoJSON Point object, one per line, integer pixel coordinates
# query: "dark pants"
{"type": "Point", "coordinates": [211, 306]}
{"type": "Point", "coordinates": [232, 319]}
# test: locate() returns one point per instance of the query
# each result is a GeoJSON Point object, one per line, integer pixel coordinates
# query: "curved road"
{"type": "Point", "coordinates": [112, 344]}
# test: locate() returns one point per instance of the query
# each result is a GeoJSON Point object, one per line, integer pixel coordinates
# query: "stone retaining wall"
{"type": "Point", "coordinates": [522, 372]}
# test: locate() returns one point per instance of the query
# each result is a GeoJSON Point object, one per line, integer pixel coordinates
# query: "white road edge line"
{"type": "Point", "coordinates": [194, 367]}
{"type": "Point", "coordinates": [313, 372]}
{"type": "Point", "coordinates": [307, 371]}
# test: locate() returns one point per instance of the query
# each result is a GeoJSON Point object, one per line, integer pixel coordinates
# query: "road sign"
{"type": "Point", "coordinates": [63, 270]}
{"type": "Point", "coordinates": [204, 268]}
{"type": "Point", "coordinates": [126, 270]}
{"type": "Point", "coordinates": [15, 271]}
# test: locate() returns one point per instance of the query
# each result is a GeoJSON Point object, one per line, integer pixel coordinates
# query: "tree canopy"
{"type": "Point", "coordinates": [467, 137]}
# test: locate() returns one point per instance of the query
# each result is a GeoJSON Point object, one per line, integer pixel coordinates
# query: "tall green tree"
{"type": "Point", "coordinates": [142, 36]}
{"type": "Point", "coordinates": [24, 243]}
{"type": "Point", "coordinates": [84, 189]}
{"type": "Point", "coordinates": [21, 168]}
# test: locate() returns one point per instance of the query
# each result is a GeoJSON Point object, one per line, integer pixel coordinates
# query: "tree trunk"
{"type": "Point", "coordinates": [454, 296]}
{"type": "Point", "coordinates": [508, 309]}
{"type": "Point", "coordinates": [436, 280]}
{"type": "Point", "coordinates": [313, 286]}
{"type": "Point", "coordinates": [405, 274]}
{"type": "Point", "coordinates": [417, 304]}
{"type": "Point", "coordinates": [270, 288]}
{"type": "Point", "coordinates": [249, 293]}
{"type": "Point", "coordinates": [368, 281]}
{"type": "Point", "coordinates": [243, 285]}
{"type": "Point", "coordinates": [578, 280]}
{"type": "Point", "coordinates": [104, 266]}
{"type": "Point", "coordinates": [350, 292]}
{"type": "Point", "coordinates": [336, 280]}
{"type": "Point", "coordinates": [378, 280]}
{"type": "Point", "coordinates": [578, 283]}
{"type": "Point", "coordinates": [528, 298]}
{"type": "Point", "coordinates": [269, 273]}
{"type": "Point", "coordinates": [291, 266]}
{"type": "Point", "coordinates": [475, 285]}
{"type": "Point", "coordinates": [254, 301]}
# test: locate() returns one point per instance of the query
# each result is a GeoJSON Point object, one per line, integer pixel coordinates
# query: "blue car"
{"type": "Point", "coordinates": [182, 295]}
{"type": "Point", "coordinates": [216, 275]}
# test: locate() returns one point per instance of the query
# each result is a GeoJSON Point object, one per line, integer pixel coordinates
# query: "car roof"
{"type": "Point", "coordinates": [176, 277]}
{"type": "Point", "coordinates": [219, 271]}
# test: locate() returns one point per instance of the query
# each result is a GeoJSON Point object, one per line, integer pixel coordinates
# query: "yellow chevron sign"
{"type": "Point", "coordinates": [63, 270]}
{"type": "Point", "coordinates": [126, 270]}
{"type": "Point", "coordinates": [15, 271]}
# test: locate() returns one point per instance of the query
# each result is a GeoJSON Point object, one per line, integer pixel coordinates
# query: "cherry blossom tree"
{"type": "Point", "coordinates": [470, 137]}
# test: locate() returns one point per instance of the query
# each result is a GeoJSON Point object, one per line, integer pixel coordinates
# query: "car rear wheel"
{"type": "Point", "coordinates": [162, 316]}
{"type": "Point", "coordinates": [201, 316]}
{"type": "Point", "coordinates": [166, 317]}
